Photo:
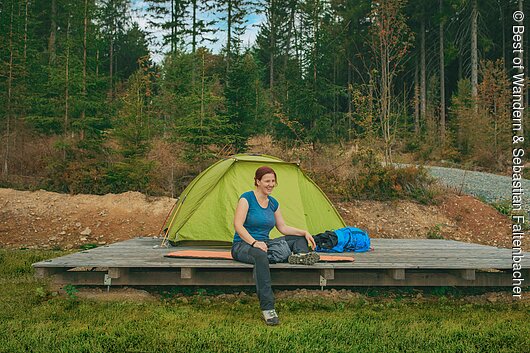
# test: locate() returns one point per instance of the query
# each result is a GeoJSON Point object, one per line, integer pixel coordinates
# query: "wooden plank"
{"type": "Point", "coordinates": [391, 263]}
{"type": "Point", "coordinates": [358, 257]}
{"type": "Point", "coordinates": [477, 264]}
{"type": "Point", "coordinates": [394, 254]}
{"type": "Point", "coordinates": [371, 255]}
{"type": "Point", "coordinates": [43, 272]}
{"type": "Point", "coordinates": [391, 244]}
{"type": "Point", "coordinates": [290, 278]}
{"type": "Point", "coordinates": [433, 244]}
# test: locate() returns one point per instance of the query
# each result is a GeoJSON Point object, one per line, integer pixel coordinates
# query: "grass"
{"type": "Point", "coordinates": [35, 319]}
{"type": "Point", "coordinates": [435, 232]}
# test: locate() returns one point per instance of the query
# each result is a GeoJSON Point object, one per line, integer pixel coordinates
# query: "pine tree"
{"type": "Point", "coordinates": [131, 130]}
{"type": "Point", "coordinates": [241, 95]}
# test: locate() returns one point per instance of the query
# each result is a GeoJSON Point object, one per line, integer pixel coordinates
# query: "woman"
{"type": "Point", "coordinates": [256, 214]}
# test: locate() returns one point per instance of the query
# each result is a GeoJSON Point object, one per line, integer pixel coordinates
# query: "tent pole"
{"type": "Point", "coordinates": [167, 216]}
{"type": "Point", "coordinates": [172, 220]}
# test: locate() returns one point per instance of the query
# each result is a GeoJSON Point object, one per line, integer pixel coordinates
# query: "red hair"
{"type": "Point", "coordinates": [261, 171]}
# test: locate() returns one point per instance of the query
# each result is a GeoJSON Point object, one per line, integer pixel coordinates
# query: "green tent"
{"type": "Point", "coordinates": [205, 209]}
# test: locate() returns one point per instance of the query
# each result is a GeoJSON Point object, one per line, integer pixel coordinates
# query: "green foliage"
{"type": "Point", "coordinates": [372, 180]}
{"type": "Point", "coordinates": [195, 107]}
{"type": "Point", "coordinates": [71, 291]}
{"type": "Point", "coordinates": [440, 291]}
{"type": "Point", "coordinates": [435, 232]}
{"type": "Point", "coordinates": [482, 123]}
{"type": "Point", "coordinates": [88, 246]}
{"type": "Point", "coordinates": [504, 207]}
{"type": "Point", "coordinates": [319, 73]}
{"type": "Point", "coordinates": [131, 174]}
{"type": "Point", "coordinates": [41, 293]}
{"type": "Point", "coordinates": [133, 125]}
{"type": "Point", "coordinates": [244, 106]}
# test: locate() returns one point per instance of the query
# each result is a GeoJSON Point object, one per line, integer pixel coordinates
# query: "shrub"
{"type": "Point", "coordinates": [372, 180]}
{"type": "Point", "coordinates": [435, 232]}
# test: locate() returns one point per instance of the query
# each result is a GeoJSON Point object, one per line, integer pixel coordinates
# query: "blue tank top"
{"type": "Point", "coordinates": [259, 221]}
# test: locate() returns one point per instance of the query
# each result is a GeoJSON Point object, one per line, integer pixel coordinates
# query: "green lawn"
{"type": "Point", "coordinates": [32, 319]}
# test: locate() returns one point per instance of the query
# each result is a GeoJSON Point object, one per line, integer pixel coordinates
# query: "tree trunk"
{"type": "Point", "coordinates": [350, 99]}
{"type": "Point", "coordinates": [67, 82]}
{"type": "Point", "coordinates": [474, 53]}
{"type": "Point", "coordinates": [84, 67]}
{"type": "Point", "coordinates": [423, 73]}
{"type": "Point", "coordinates": [460, 69]}
{"type": "Point", "coordinates": [111, 56]}
{"type": "Point", "coordinates": [111, 67]}
{"type": "Point", "coordinates": [386, 84]}
{"type": "Point", "coordinates": [503, 29]}
{"type": "Point", "coordinates": [193, 42]}
{"type": "Point", "coordinates": [202, 104]}
{"type": "Point", "coordinates": [194, 27]}
{"type": "Point", "coordinates": [289, 34]}
{"type": "Point", "coordinates": [442, 78]}
{"type": "Point", "coordinates": [256, 89]}
{"type": "Point", "coordinates": [9, 94]}
{"type": "Point", "coordinates": [416, 100]}
{"type": "Point", "coordinates": [371, 98]}
{"type": "Point", "coordinates": [335, 103]}
{"type": "Point", "coordinates": [172, 26]}
{"type": "Point", "coordinates": [53, 33]}
{"type": "Point", "coordinates": [315, 30]}
{"type": "Point", "coordinates": [297, 44]}
{"type": "Point", "coordinates": [26, 33]}
{"type": "Point", "coordinates": [228, 34]}
{"type": "Point", "coordinates": [272, 45]}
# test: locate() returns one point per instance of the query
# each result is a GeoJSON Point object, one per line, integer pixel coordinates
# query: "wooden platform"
{"type": "Point", "coordinates": [394, 262]}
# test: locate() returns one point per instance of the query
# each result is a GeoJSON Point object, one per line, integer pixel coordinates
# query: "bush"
{"type": "Point", "coordinates": [373, 180]}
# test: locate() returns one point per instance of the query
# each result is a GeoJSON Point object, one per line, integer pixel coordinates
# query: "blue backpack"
{"type": "Point", "coordinates": [349, 239]}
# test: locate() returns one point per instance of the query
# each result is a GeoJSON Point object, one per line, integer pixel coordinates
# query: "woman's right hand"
{"type": "Point", "coordinates": [261, 245]}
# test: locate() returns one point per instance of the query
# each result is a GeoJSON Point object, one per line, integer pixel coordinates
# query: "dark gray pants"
{"type": "Point", "coordinates": [243, 252]}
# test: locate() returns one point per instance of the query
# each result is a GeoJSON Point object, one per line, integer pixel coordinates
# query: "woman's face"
{"type": "Point", "coordinates": [267, 183]}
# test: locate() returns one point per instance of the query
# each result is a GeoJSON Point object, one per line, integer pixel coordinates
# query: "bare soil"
{"type": "Point", "coordinates": [335, 295]}
{"type": "Point", "coordinates": [47, 220]}
{"type": "Point", "coordinates": [456, 217]}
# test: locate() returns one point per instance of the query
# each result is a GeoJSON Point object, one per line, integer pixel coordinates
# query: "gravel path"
{"type": "Point", "coordinates": [490, 187]}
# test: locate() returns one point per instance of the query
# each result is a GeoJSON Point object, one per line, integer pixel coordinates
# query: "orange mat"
{"type": "Point", "coordinates": [225, 255]}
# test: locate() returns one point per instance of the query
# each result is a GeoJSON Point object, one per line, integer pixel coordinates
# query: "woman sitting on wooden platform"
{"type": "Point", "coordinates": [256, 214]}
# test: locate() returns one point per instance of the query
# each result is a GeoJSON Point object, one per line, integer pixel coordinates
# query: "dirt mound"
{"type": "Point", "coordinates": [42, 219]}
{"type": "Point", "coordinates": [115, 294]}
{"type": "Point", "coordinates": [462, 218]}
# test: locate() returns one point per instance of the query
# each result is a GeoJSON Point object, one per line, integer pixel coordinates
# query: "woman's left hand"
{"type": "Point", "coordinates": [310, 240]}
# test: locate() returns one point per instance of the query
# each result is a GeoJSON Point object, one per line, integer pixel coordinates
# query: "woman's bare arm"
{"type": "Point", "coordinates": [288, 230]}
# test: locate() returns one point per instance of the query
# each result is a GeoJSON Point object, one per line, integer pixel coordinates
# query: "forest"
{"type": "Point", "coordinates": [86, 109]}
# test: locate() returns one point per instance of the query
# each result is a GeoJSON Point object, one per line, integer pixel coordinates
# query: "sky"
{"type": "Point", "coordinates": [139, 14]}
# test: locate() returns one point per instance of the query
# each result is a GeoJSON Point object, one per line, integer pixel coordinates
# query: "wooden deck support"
{"type": "Point", "coordinates": [468, 274]}
{"type": "Point", "coordinates": [186, 272]}
{"type": "Point", "coordinates": [397, 274]}
{"type": "Point", "coordinates": [328, 273]}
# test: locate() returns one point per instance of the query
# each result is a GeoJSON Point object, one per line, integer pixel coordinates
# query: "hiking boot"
{"type": "Point", "coordinates": [310, 258]}
{"type": "Point", "coordinates": [271, 318]}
